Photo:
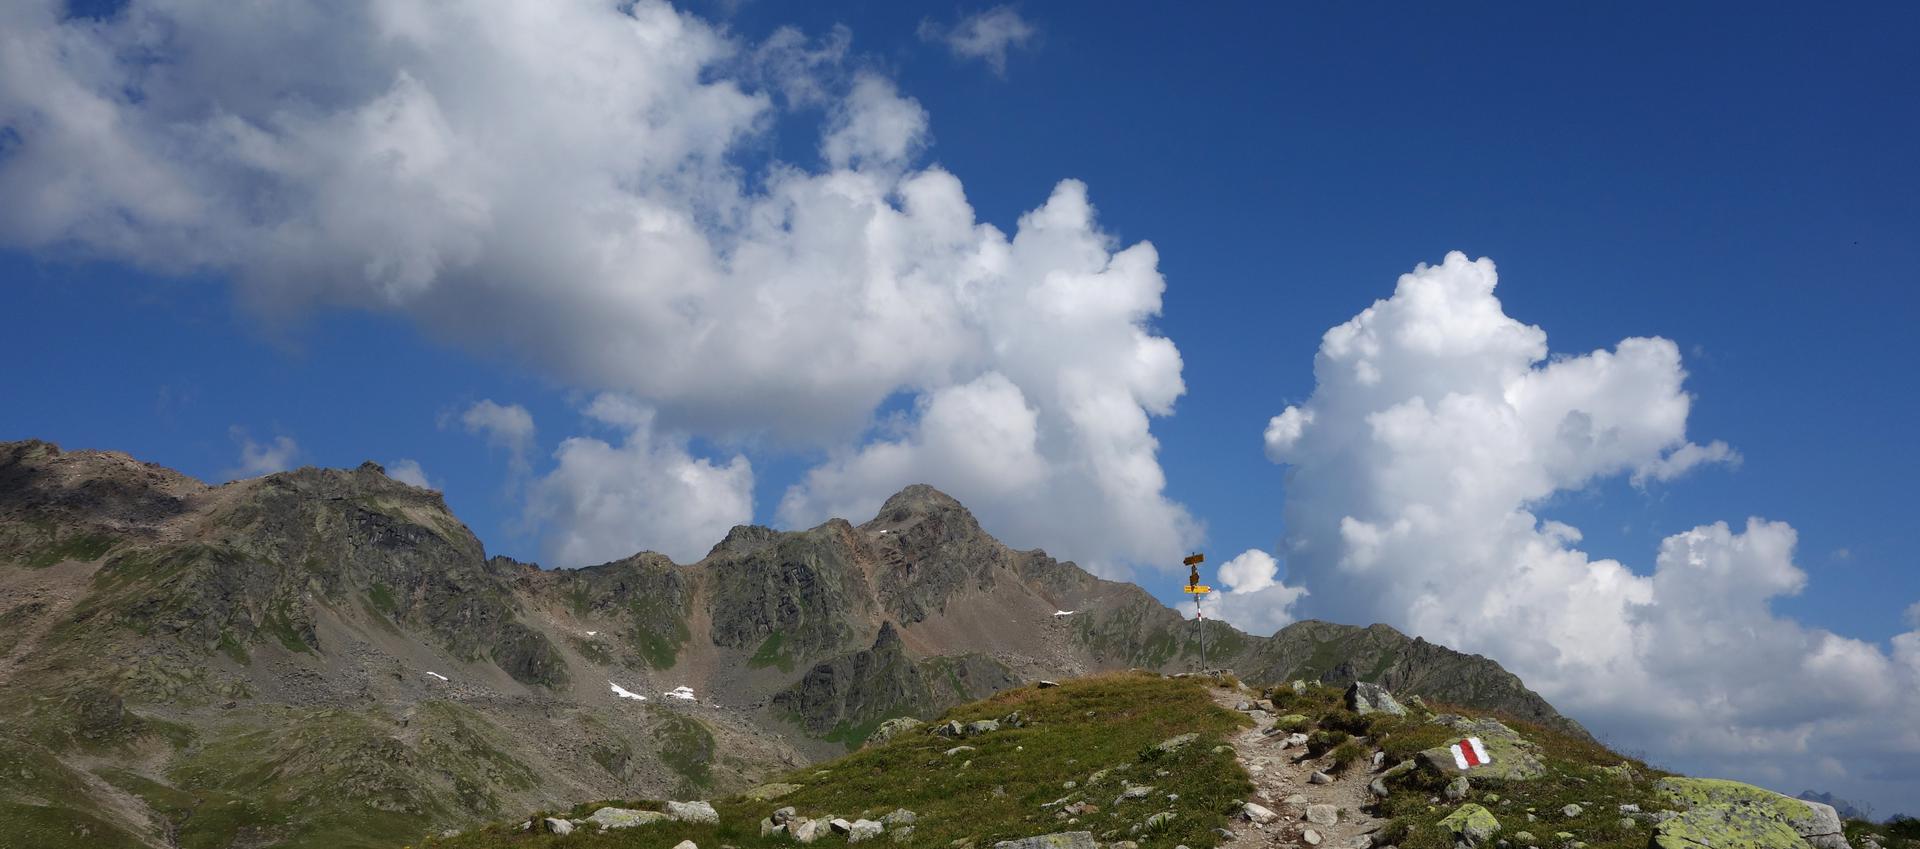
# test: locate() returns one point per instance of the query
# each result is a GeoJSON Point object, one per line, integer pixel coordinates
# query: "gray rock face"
{"type": "Point", "coordinates": [1061, 840]}
{"type": "Point", "coordinates": [1364, 698]}
{"type": "Point", "coordinates": [694, 812]}
{"type": "Point", "coordinates": [611, 817]}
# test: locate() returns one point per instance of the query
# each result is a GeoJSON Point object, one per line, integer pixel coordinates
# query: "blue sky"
{"type": "Point", "coordinates": [1742, 185]}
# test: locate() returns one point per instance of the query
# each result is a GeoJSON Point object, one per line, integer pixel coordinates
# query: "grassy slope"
{"type": "Point", "coordinates": [1074, 730]}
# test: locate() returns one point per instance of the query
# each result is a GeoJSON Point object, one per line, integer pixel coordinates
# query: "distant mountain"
{"type": "Point", "coordinates": [329, 657]}
{"type": "Point", "coordinates": [1845, 808]}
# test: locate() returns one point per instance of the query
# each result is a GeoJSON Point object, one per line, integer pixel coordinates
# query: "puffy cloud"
{"type": "Point", "coordinates": [603, 502]}
{"type": "Point", "coordinates": [1437, 428]}
{"type": "Point", "coordinates": [258, 458]}
{"type": "Point", "coordinates": [506, 426]}
{"type": "Point", "coordinates": [582, 186]}
{"type": "Point", "coordinates": [1252, 597]}
{"type": "Point", "coordinates": [409, 472]}
{"type": "Point", "coordinates": [987, 36]}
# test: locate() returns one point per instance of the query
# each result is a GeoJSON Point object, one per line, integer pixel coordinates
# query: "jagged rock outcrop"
{"type": "Point", "coordinates": [854, 693]}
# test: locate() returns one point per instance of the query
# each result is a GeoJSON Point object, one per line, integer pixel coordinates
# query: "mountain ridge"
{"type": "Point", "coordinates": [157, 614]}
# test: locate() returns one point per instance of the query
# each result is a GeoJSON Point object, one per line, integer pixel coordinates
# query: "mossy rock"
{"type": "Point", "coordinates": [1472, 823]}
{"type": "Point", "coordinates": [1730, 815]}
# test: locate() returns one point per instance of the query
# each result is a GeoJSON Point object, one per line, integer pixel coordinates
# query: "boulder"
{"type": "Point", "coordinates": [892, 728]}
{"type": "Point", "coordinates": [555, 825]}
{"type": "Point", "coordinates": [1716, 812]}
{"type": "Point", "coordinates": [1257, 813]}
{"type": "Point", "coordinates": [1364, 698]}
{"type": "Point", "coordinates": [1061, 840]}
{"type": "Point", "coordinates": [900, 816]}
{"type": "Point", "coordinates": [982, 726]}
{"type": "Point", "coordinates": [1174, 744]}
{"type": "Point", "coordinates": [784, 815]}
{"type": "Point", "coordinates": [840, 826]}
{"type": "Point", "coordinates": [806, 830]}
{"type": "Point", "coordinates": [1513, 758]}
{"type": "Point", "coordinates": [693, 812]}
{"type": "Point", "coordinates": [1471, 823]}
{"type": "Point", "coordinates": [611, 817]}
{"type": "Point", "coordinates": [1323, 814]}
{"type": "Point", "coordinates": [864, 830]}
{"type": "Point", "coordinates": [1319, 777]}
{"type": "Point", "coordinates": [770, 792]}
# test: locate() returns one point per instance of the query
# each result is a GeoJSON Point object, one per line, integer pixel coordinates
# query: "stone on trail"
{"type": "Point", "coordinates": [1257, 813]}
{"type": "Point", "coordinates": [1061, 840]}
{"type": "Point", "coordinates": [1323, 814]}
{"type": "Point", "coordinates": [1364, 698]}
{"type": "Point", "coordinates": [1293, 740]}
{"type": "Point", "coordinates": [1474, 824]}
{"type": "Point", "coordinates": [1311, 837]}
{"type": "Point", "coordinates": [611, 817]}
{"type": "Point", "coordinates": [864, 830]}
{"type": "Point", "coordinates": [556, 825]}
{"type": "Point", "coordinates": [1363, 841]}
{"type": "Point", "coordinates": [1319, 777]}
{"type": "Point", "coordinates": [1296, 800]}
{"type": "Point", "coordinates": [694, 812]}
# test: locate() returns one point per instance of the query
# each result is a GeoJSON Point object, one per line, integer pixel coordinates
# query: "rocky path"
{"type": "Point", "coordinates": [1281, 780]}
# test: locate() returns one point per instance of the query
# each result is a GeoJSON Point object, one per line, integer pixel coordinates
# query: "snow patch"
{"type": "Point", "coordinates": [624, 693]}
{"type": "Point", "coordinates": [1063, 613]}
{"type": "Point", "coordinates": [438, 675]}
{"type": "Point", "coordinates": [682, 692]}
{"type": "Point", "coordinates": [593, 633]}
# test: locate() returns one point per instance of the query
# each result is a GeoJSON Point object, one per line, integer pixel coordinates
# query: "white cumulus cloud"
{"type": "Point", "coordinates": [409, 472]}
{"type": "Point", "coordinates": [508, 427]}
{"type": "Point", "coordinates": [987, 36]}
{"type": "Point", "coordinates": [605, 501]}
{"type": "Point", "coordinates": [262, 458]}
{"type": "Point", "coordinates": [583, 186]}
{"type": "Point", "coordinates": [1439, 427]}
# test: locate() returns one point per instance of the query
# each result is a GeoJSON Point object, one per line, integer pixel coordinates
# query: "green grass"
{"type": "Point", "coordinates": [84, 547]}
{"type": "Point", "coordinates": [1074, 730]}
{"type": "Point", "coordinates": [771, 653]}
{"type": "Point", "coordinates": [382, 596]}
{"type": "Point", "coordinates": [686, 747]}
{"type": "Point", "coordinates": [1900, 832]}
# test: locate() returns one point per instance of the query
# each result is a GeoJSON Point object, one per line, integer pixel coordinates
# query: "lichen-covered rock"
{"type": "Point", "coordinates": [1719, 813]}
{"type": "Point", "coordinates": [900, 816]}
{"type": "Point", "coordinates": [693, 812]}
{"type": "Point", "coordinates": [1364, 698]}
{"type": "Point", "coordinates": [1474, 824]}
{"type": "Point", "coordinates": [864, 830]}
{"type": "Point", "coordinates": [611, 817]}
{"type": "Point", "coordinates": [1174, 744]}
{"type": "Point", "coordinates": [1061, 840]}
{"type": "Point", "coordinates": [1513, 758]}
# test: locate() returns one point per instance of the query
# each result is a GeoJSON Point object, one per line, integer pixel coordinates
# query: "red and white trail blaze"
{"type": "Point", "coordinates": [1470, 753]}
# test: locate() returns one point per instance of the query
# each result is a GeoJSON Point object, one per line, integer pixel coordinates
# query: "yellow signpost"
{"type": "Point", "coordinates": [1199, 589]}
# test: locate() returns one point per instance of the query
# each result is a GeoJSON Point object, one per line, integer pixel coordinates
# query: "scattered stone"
{"type": "Point", "coordinates": [1629, 809]}
{"type": "Point", "coordinates": [1473, 824]}
{"type": "Point", "coordinates": [1625, 823]}
{"type": "Point", "coordinates": [685, 844]}
{"type": "Point", "coordinates": [1225, 834]}
{"type": "Point", "coordinates": [1046, 685]}
{"type": "Point", "coordinates": [1571, 811]}
{"type": "Point", "coordinates": [1174, 744]}
{"type": "Point", "coordinates": [1299, 687]}
{"type": "Point", "coordinates": [864, 830]}
{"type": "Point", "coordinates": [982, 726]}
{"type": "Point", "coordinates": [769, 828]}
{"type": "Point", "coordinates": [1070, 785]}
{"type": "Point", "coordinates": [999, 790]}
{"type": "Point", "coordinates": [1060, 840]}
{"type": "Point", "coordinates": [1296, 800]}
{"type": "Point", "coordinates": [951, 728]}
{"type": "Point", "coordinates": [1563, 835]}
{"type": "Point", "coordinates": [1323, 814]}
{"type": "Point", "coordinates": [806, 830]}
{"type": "Point", "coordinates": [1378, 788]}
{"type": "Point", "coordinates": [1295, 739]}
{"type": "Point", "coordinates": [1363, 841]}
{"type": "Point", "coordinates": [1310, 837]}
{"type": "Point", "coordinates": [1458, 788]}
{"type": "Point", "coordinates": [1319, 777]}
{"type": "Point", "coordinates": [555, 825]}
{"type": "Point", "coordinates": [959, 749]}
{"type": "Point", "coordinates": [1098, 776]}
{"type": "Point", "coordinates": [839, 826]}
{"type": "Point", "coordinates": [784, 815]}
{"type": "Point", "coordinates": [1364, 698]}
{"type": "Point", "coordinates": [1525, 838]}
{"type": "Point", "coordinates": [611, 817]}
{"type": "Point", "coordinates": [1257, 813]}
{"type": "Point", "coordinates": [1379, 760]}
{"type": "Point", "coordinates": [901, 834]}
{"type": "Point", "coordinates": [693, 812]}
{"type": "Point", "coordinates": [900, 816]}
{"type": "Point", "coordinates": [1138, 791]}
{"type": "Point", "coordinates": [892, 728]}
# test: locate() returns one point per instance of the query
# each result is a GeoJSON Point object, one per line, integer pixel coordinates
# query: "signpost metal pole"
{"type": "Point", "coordinates": [1198, 590]}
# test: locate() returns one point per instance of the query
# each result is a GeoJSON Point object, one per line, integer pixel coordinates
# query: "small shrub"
{"type": "Point", "coordinates": [1323, 741]}
{"type": "Point", "coordinates": [1293, 723]}
{"type": "Point", "coordinates": [1347, 754]}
